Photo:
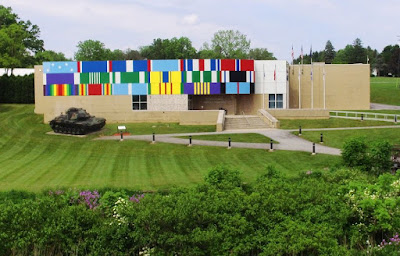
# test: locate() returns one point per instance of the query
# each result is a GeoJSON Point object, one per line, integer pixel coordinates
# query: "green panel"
{"type": "Point", "coordinates": [207, 76]}
{"type": "Point", "coordinates": [105, 78]}
{"type": "Point", "coordinates": [184, 77]}
{"type": "Point", "coordinates": [182, 85]}
{"type": "Point", "coordinates": [195, 76]}
{"type": "Point", "coordinates": [148, 88]}
{"type": "Point", "coordinates": [218, 76]}
{"type": "Point", "coordinates": [84, 78]}
{"type": "Point", "coordinates": [129, 77]}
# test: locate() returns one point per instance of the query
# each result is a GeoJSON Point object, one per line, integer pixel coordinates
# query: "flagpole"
{"type": "Point", "coordinates": [299, 89]}
{"type": "Point", "coordinates": [312, 87]}
{"type": "Point", "coordinates": [263, 101]}
{"type": "Point", "coordinates": [324, 78]}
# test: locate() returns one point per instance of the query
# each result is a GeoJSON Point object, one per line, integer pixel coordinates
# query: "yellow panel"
{"type": "Point", "coordinates": [155, 77]}
{"type": "Point", "coordinates": [155, 88]}
{"type": "Point", "coordinates": [175, 77]}
{"type": "Point", "coordinates": [176, 88]}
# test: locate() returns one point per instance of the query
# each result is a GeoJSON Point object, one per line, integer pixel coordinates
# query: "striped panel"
{"type": "Point", "coordinates": [155, 77]}
{"type": "Point", "coordinates": [144, 77]}
{"type": "Point", "coordinates": [224, 76]}
{"type": "Point", "coordinates": [83, 90]}
{"type": "Point", "coordinates": [201, 88]}
{"type": "Point", "coordinates": [215, 77]}
{"type": "Point", "coordinates": [106, 89]}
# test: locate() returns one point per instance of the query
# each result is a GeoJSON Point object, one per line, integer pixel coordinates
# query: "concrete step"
{"type": "Point", "coordinates": [244, 122]}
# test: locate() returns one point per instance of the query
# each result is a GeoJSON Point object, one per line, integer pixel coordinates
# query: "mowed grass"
{"type": "Point", "coordinates": [235, 137]}
{"type": "Point", "coordinates": [385, 90]}
{"type": "Point", "coordinates": [337, 138]}
{"type": "Point", "coordinates": [32, 160]}
{"type": "Point", "coordinates": [329, 123]}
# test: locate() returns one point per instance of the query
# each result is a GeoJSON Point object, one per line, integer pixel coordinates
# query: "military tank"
{"type": "Point", "coordinates": [76, 121]}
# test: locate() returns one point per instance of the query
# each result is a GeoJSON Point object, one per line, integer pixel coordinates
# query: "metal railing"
{"type": "Point", "coordinates": [364, 116]}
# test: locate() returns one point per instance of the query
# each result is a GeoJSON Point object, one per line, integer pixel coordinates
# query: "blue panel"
{"type": "Point", "coordinates": [165, 65]}
{"type": "Point", "coordinates": [120, 89]}
{"type": "Point", "coordinates": [165, 77]}
{"type": "Point", "coordinates": [139, 89]}
{"type": "Point", "coordinates": [94, 66]}
{"type": "Point", "coordinates": [60, 78]}
{"type": "Point", "coordinates": [231, 88]}
{"type": "Point", "coordinates": [244, 88]}
{"type": "Point", "coordinates": [118, 66]}
{"type": "Point", "coordinates": [60, 67]}
{"type": "Point", "coordinates": [213, 66]}
{"type": "Point", "coordinates": [189, 65]}
{"type": "Point", "coordinates": [140, 65]}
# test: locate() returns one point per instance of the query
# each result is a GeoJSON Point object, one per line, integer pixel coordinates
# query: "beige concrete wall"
{"type": "Point", "coordinates": [176, 102]}
{"type": "Point", "coordinates": [347, 86]}
{"type": "Point", "coordinates": [116, 109]}
{"type": "Point", "coordinates": [299, 113]}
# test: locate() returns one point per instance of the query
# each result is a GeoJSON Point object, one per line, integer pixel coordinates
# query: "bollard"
{"type": "Point", "coordinates": [300, 130]}
{"type": "Point", "coordinates": [229, 142]}
{"type": "Point", "coordinates": [154, 138]}
{"type": "Point", "coordinates": [395, 118]}
{"type": "Point", "coordinates": [190, 140]}
{"type": "Point", "coordinates": [271, 146]}
{"type": "Point", "coordinates": [322, 138]}
{"type": "Point", "coordinates": [313, 149]}
{"type": "Point", "coordinates": [122, 136]}
{"type": "Point", "coordinates": [362, 117]}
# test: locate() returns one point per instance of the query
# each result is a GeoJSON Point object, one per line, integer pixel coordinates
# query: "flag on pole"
{"type": "Point", "coordinates": [275, 73]}
{"type": "Point", "coordinates": [301, 54]}
{"type": "Point", "coordinates": [311, 73]}
{"type": "Point", "coordinates": [292, 55]}
{"type": "Point", "coordinates": [367, 59]}
{"type": "Point", "coordinates": [311, 53]}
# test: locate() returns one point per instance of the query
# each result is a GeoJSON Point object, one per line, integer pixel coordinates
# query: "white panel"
{"type": "Point", "coordinates": [207, 65]}
{"type": "Point", "coordinates": [77, 78]}
{"type": "Point", "coordinates": [201, 77]}
{"type": "Point", "coordinates": [117, 77]}
{"type": "Point", "coordinates": [214, 77]}
{"type": "Point", "coordinates": [142, 77]}
{"type": "Point", "coordinates": [111, 77]}
{"type": "Point", "coordinates": [196, 65]}
{"type": "Point", "coordinates": [189, 78]}
{"type": "Point", "coordinates": [129, 66]}
{"type": "Point", "coordinates": [130, 89]}
{"type": "Point", "coordinates": [44, 79]}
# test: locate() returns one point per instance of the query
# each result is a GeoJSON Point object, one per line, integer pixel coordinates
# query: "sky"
{"type": "Point", "coordinates": [272, 24]}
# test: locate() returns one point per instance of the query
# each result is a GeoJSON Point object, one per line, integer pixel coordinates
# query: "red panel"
{"type": "Point", "coordinates": [79, 66]}
{"type": "Point", "coordinates": [148, 65]}
{"type": "Point", "coordinates": [182, 65]}
{"type": "Point", "coordinates": [110, 66]}
{"type": "Point", "coordinates": [94, 89]}
{"type": "Point", "coordinates": [227, 65]}
{"type": "Point", "coordinates": [201, 65]}
{"type": "Point", "coordinates": [60, 90]}
{"type": "Point", "coordinates": [247, 65]}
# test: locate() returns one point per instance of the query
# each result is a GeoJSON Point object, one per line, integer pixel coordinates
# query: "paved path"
{"type": "Point", "coordinates": [287, 141]}
{"type": "Point", "coordinates": [384, 106]}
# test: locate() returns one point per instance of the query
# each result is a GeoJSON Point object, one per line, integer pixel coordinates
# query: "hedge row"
{"type": "Point", "coordinates": [17, 89]}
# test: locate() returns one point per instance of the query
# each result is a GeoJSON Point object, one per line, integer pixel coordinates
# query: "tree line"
{"type": "Point", "coordinates": [21, 46]}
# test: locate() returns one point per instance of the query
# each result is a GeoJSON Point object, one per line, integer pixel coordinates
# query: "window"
{"type": "Point", "coordinates": [275, 101]}
{"type": "Point", "coordinates": [271, 103]}
{"type": "Point", "coordinates": [139, 102]}
{"type": "Point", "coordinates": [279, 101]}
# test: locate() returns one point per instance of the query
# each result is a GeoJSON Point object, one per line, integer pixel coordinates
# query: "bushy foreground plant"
{"type": "Point", "coordinates": [316, 213]}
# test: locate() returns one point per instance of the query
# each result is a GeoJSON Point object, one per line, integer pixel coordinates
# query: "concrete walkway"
{"type": "Point", "coordinates": [383, 106]}
{"type": "Point", "coordinates": [287, 141]}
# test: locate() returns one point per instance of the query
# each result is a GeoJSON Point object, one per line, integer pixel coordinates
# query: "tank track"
{"type": "Point", "coordinates": [74, 129]}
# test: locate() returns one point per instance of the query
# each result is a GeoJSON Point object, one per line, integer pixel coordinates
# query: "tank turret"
{"type": "Point", "coordinates": [76, 121]}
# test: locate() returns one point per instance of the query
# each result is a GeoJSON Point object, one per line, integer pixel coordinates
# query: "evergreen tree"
{"type": "Point", "coordinates": [329, 52]}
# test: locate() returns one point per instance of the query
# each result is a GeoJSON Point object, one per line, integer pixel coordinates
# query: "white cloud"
{"type": "Point", "coordinates": [190, 19]}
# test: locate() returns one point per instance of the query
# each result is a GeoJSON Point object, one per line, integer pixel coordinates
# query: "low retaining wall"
{"type": "Point", "coordinates": [299, 113]}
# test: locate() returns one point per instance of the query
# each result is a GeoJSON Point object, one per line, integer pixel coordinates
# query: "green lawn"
{"type": "Point", "coordinates": [337, 138]}
{"type": "Point", "coordinates": [385, 90]}
{"type": "Point", "coordinates": [157, 128]}
{"type": "Point", "coordinates": [236, 137]}
{"type": "Point", "coordinates": [32, 160]}
{"type": "Point", "coordinates": [328, 123]}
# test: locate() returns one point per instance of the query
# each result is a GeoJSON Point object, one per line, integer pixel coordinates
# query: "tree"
{"type": "Point", "coordinates": [132, 55]}
{"type": "Point", "coordinates": [358, 53]}
{"type": "Point", "coordinates": [229, 44]}
{"type": "Point", "coordinates": [261, 54]}
{"type": "Point", "coordinates": [50, 56]}
{"type": "Point", "coordinates": [175, 48]}
{"type": "Point", "coordinates": [19, 40]}
{"type": "Point", "coordinates": [391, 60]}
{"type": "Point", "coordinates": [329, 52]}
{"type": "Point", "coordinates": [92, 50]}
